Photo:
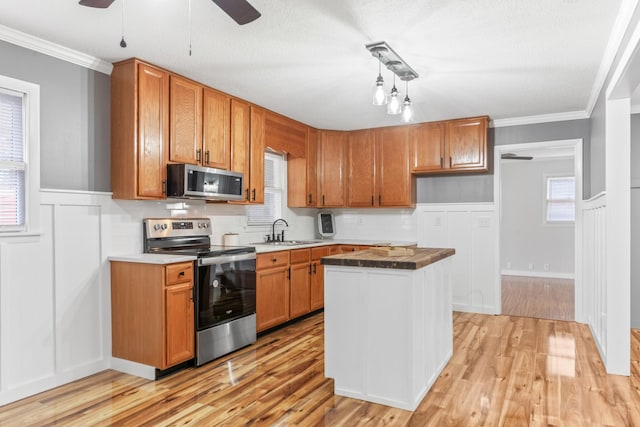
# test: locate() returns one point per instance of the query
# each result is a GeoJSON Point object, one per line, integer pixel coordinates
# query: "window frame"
{"type": "Point", "coordinates": [282, 190]}
{"type": "Point", "coordinates": [545, 200]}
{"type": "Point", "coordinates": [31, 119]}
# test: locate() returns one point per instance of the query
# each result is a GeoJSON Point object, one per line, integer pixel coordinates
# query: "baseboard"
{"type": "Point", "coordinates": [465, 308]}
{"type": "Point", "coordinates": [133, 368]}
{"type": "Point", "coordinates": [543, 274]}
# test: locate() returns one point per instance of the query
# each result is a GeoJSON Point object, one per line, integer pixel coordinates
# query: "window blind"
{"type": "Point", "coordinates": [12, 160]}
{"type": "Point", "coordinates": [271, 210]}
{"type": "Point", "coordinates": [561, 199]}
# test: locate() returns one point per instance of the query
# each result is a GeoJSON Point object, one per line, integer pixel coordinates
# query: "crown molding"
{"type": "Point", "coordinates": [55, 50]}
{"type": "Point", "coordinates": [542, 118]}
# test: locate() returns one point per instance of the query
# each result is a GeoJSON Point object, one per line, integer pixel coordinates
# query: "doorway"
{"type": "Point", "coordinates": [535, 185]}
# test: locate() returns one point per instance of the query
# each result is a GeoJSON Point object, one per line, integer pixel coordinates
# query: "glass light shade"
{"type": "Point", "coordinates": [379, 97]}
{"type": "Point", "coordinates": [393, 103]}
{"type": "Point", "coordinates": [407, 111]}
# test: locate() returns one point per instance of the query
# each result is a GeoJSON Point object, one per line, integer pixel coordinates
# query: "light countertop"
{"type": "Point", "coordinates": [265, 247]}
{"type": "Point", "coordinates": [152, 258]}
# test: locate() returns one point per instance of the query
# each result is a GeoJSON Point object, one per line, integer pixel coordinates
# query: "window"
{"type": "Point", "coordinates": [561, 199]}
{"type": "Point", "coordinates": [274, 167]}
{"type": "Point", "coordinates": [19, 155]}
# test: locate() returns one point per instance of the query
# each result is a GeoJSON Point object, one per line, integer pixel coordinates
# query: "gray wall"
{"type": "Point", "coordinates": [479, 187]}
{"type": "Point", "coordinates": [74, 118]}
{"type": "Point", "coordinates": [635, 221]}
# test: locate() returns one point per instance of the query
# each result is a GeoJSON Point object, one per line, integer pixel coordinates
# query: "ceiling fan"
{"type": "Point", "coordinates": [240, 10]}
{"type": "Point", "coordinates": [514, 156]}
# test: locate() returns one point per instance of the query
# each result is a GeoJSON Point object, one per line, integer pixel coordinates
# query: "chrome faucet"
{"type": "Point", "coordinates": [273, 229]}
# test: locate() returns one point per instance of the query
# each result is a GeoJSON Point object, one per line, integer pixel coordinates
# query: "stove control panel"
{"type": "Point", "coordinates": [177, 227]}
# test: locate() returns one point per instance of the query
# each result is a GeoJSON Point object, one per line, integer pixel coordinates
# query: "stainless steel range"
{"type": "Point", "coordinates": [224, 288]}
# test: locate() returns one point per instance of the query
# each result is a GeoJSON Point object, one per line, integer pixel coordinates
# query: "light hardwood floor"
{"type": "Point", "coordinates": [505, 371]}
{"type": "Point", "coordinates": [545, 298]}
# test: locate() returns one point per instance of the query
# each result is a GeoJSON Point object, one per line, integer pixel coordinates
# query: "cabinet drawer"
{"type": "Point", "coordinates": [299, 256]}
{"type": "Point", "coordinates": [272, 259]}
{"type": "Point", "coordinates": [179, 273]}
{"type": "Point", "coordinates": [319, 252]}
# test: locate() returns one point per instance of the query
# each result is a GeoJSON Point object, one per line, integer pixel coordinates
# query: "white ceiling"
{"type": "Point", "coordinates": [306, 58]}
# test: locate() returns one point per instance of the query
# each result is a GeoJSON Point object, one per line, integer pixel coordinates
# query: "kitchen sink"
{"type": "Point", "coordinates": [287, 243]}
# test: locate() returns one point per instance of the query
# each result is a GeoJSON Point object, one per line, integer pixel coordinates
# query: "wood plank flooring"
{"type": "Point", "coordinates": [545, 298]}
{"type": "Point", "coordinates": [505, 371]}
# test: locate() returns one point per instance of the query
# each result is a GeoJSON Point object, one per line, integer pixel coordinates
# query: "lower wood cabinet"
{"type": "Point", "coordinates": [300, 283]}
{"type": "Point", "coordinates": [152, 319]}
{"type": "Point", "coordinates": [272, 289]}
{"type": "Point", "coordinates": [317, 274]}
{"type": "Point", "coordinates": [351, 248]}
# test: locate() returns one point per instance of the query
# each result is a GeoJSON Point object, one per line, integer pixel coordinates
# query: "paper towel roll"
{"type": "Point", "coordinates": [230, 239]}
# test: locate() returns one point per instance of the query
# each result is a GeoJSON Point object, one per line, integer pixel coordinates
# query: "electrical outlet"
{"type": "Point", "coordinates": [530, 266]}
{"type": "Point", "coordinates": [546, 267]}
{"type": "Point", "coordinates": [437, 221]}
{"type": "Point", "coordinates": [508, 265]}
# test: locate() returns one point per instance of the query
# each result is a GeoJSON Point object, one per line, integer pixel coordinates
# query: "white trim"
{"type": "Point", "coordinates": [542, 118]}
{"type": "Point", "coordinates": [576, 144]}
{"type": "Point", "coordinates": [543, 274]}
{"type": "Point", "coordinates": [625, 13]}
{"type": "Point", "coordinates": [133, 368]}
{"type": "Point", "coordinates": [55, 50]}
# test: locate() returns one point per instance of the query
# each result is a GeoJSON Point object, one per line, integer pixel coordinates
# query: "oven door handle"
{"type": "Point", "coordinates": [223, 259]}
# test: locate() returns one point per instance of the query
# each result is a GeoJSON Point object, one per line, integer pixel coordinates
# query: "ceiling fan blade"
{"type": "Point", "coordinates": [512, 156]}
{"type": "Point", "coordinates": [102, 4]}
{"type": "Point", "coordinates": [240, 10]}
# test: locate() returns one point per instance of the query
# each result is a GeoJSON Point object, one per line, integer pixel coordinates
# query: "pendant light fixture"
{"type": "Point", "coordinates": [393, 103]}
{"type": "Point", "coordinates": [387, 56]}
{"type": "Point", "coordinates": [407, 111]}
{"type": "Point", "coordinates": [379, 97]}
{"type": "Point", "coordinates": [123, 43]}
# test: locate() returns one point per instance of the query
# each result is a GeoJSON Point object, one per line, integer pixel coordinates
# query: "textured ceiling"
{"type": "Point", "coordinates": [306, 58]}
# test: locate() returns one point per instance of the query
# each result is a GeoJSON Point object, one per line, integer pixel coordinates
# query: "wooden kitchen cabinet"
{"type": "Point", "coordinates": [453, 146]}
{"type": "Point", "coordinates": [216, 135]}
{"type": "Point", "coordinates": [317, 275]}
{"type": "Point", "coordinates": [302, 182]}
{"type": "Point", "coordinates": [351, 248]}
{"type": "Point", "coordinates": [362, 188]}
{"type": "Point", "coordinates": [247, 148]}
{"type": "Point", "coordinates": [300, 283]}
{"type": "Point", "coordinates": [152, 313]}
{"type": "Point", "coordinates": [395, 185]}
{"type": "Point", "coordinates": [332, 168]}
{"type": "Point", "coordinates": [139, 130]}
{"type": "Point", "coordinates": [272, 289]}
{"type": "Point", "coordinates": [185, 112]}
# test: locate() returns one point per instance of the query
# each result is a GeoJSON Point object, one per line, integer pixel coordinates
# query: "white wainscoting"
{"type": "Point", "coordinates": [472, 229]}
{"type": "Point", "coordinates": [54, 296]}
{"type": "Point", "coordinates": [594, 274]}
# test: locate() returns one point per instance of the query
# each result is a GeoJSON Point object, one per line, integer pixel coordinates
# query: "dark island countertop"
{"type": "Point", "coordinates": [367, 258]}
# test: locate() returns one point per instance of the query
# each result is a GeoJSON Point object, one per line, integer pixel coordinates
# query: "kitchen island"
{"type": "Point", "coordinates": [388, 324]}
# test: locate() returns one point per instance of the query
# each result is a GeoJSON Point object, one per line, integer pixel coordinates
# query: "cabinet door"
{"type": "Point", "coordinates": [362, 163]}
{"type": "Point", "coordinates": [216, 137]}
{"type": "Point", "coordinates": [272, 297]}
{"type": "Point", "coordinates": [186, 121]}
{"type": "Point", "coordinates": [395, 184]}
{"type": "Point", "coordinates": [300, 292]}
{"type": "Point", "coordinates": [427, 140]}
{"type": "Point", "coordinates": [317, 276]}
{"type": "Point", "coordinates": [256, 164]}
{"type": "Point", "coordinates": [153, 129]}
{"type": "Point", "coordinates": [180, 335]}
{"type": "Point", "coordinates": [466, 146]}
{"type": "Point", "coordinates": [332, 168]}
{"type": "Point", "coordinates": [312, 159]}
{"type": "Point", "coordinates": [240, 155]}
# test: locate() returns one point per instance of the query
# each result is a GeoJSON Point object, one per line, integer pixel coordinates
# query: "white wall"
{"type": "Point", "coordinates": [527, 242]}
{"type": "Point", "coordinates": [635, 221]}
{"type": "Point", "coordinates": [386, 225]}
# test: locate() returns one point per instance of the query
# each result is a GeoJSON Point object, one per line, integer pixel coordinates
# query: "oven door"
{"type": "Point", "coordinates": [225, 289]}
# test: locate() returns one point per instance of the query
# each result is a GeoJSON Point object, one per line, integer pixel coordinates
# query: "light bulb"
{"type": "Point", "coordinates": [379, 97]}
{"type": "Point", "coordinates": [393, 103]}
{"type": "Point", "coordinates": [407, 111]}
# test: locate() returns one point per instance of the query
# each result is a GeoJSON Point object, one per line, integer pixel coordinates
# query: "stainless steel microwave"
{"type": "Point", "coordinates": [199, 182]}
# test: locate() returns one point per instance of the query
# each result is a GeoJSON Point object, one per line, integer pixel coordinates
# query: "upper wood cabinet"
{"type": "Point", "coordinates": [139, 130]}
{"type": "Point", "coordinates": [284, 135]}
{"type": "Point", "coordinates": [453, 146]}
{"type": "Point", "coordinates": [247, 148]}
{"type": "Point", "coordinates": [185, 107]}
{"type": "Point", "coordinates": [361, 178]}
{"type": "Point", "coordinates": [302, 182]}
{"type": "Point", "coordinates": [216, 135]}
{"type": "Point", "coordinates": [394, 183]}
{"type": "Point", "coordinates": [332, 167]}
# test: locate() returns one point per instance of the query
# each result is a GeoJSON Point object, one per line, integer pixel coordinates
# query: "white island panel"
{"type": "Point", "coordinates": [388, 332]}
